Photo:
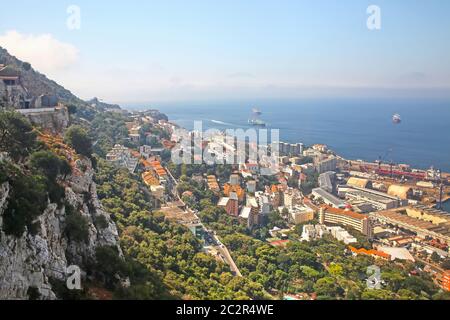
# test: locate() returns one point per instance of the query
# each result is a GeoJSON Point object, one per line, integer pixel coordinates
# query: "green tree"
{"type": "Point", "coordinates": [26, 66]}
{"type": "Point", "coordinates": [328, 287]}
{"type": "Point", "coordinates": [77, 228]}
{"type": "Point", "coordinates": [78, 139]}
{"type": "Point", "coordinates": [379, 294]}
{"type": "Point", "coordinates": [435, 257]}
{"type": "Point", "coordinates": [16, 135]}
{"type": "Point", "coordinates": [50, 164]}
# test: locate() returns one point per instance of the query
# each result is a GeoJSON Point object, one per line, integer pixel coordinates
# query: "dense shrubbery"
{"type": "Point", "coordinates": [163, 259]}
{"type": "Point", "coordinates": [32, 177]}
{"type": "Point", "coordinates": [26, 201]}
{"type": "Point", "coordinates": [77, 227]}
{"type": "Point", "coordinates": [17, 137]}
{"type": "Point", "coordinates": [108, 129]}
{"type": "Point", "coordinates": [77, 138]}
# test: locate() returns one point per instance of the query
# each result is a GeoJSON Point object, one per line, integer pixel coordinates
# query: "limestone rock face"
{"type": "Point", "coordinates": [31, 260]}
{"type": "Point", "coordinates": [54, 121]}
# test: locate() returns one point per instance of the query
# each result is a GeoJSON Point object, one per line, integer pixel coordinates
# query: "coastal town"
{"type": "Point", "coordinates": [315, 199]}
{"type": "Point", "coordinates": [395, 208]}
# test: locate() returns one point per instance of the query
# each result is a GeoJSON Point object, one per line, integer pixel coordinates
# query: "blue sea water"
{"type": "Point", "coordinates": [353, 128]}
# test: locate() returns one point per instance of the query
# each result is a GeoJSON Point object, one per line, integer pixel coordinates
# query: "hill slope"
{"type": "Point", "coordinates": [36, 83]}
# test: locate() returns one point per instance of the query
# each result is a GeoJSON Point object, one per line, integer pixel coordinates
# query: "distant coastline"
{"type": "Point", "coordinates": [353, 128]}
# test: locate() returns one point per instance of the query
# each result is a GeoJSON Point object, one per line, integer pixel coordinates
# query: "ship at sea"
{"type": "Point", "coordinates": [255, 120]}
{"type": "Point", "coordinates": [396, 118]}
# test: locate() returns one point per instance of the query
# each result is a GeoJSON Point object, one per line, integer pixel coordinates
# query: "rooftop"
{"type": "Point", "coordinates": [344, 212]}
{"type": "Point", "coordinates": [329, 197]}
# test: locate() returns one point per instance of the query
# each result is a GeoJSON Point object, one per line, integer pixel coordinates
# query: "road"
{"type": "Point", "coordinates": [210, 238]}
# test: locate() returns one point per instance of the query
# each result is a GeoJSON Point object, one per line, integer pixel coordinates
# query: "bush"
{"type": "Point", "coordinates": [26, 66]}
{"type": "Point", "coordinates": [110, 264]}
{"type": "Point", "coordinates": [59, 287]}
{"type": "Point", "coordinates": [101, 222]}
{"type": "Point", "coordinates": [50, 164]}
{"type": "Point", "coordinates": [78, 139]}
{"type": "Point", "coordinates": [27, 200]}
{"type": "Point", "coordinates": [33, 293]}
{"type": "Point", "coordinates": [77, 227]}
{"type": "Point", "coordinates": [72, 109]}
{"type": "Point", "coordinates": [18, 137]}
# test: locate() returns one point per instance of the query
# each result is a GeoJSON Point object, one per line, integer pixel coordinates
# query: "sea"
{"type": "Point", "coordinates": [354, 128]}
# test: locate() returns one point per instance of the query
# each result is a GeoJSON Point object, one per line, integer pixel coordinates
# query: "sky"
{"type": "Point", "coordinates": [174, 50]}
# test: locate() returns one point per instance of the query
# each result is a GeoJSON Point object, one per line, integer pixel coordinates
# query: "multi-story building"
{"type": "Point", "coordinates": [289, 149]}
{"type": "Point", "coordinates": [326, 181]}
{"type": "Point", "coordinates": [251, 186]}
{"type": "Point", "coordinates": [145, 151]}
{"type": "Point", "coordinates": [252, 215]}
{"type": "Point", "coordinates": [301, 214]}
{"type": "Point", "coordinates": [359, 222]}
{"type": "Point", "coordinates": [236, 188]}
{"type": "Point", "coordinates": [325, 164]}
{"type": "Point", "coordinates": [230, 204]}
{"type": "Point", "coordinates": [234, 180]}
{"type": "Point", "coordinates": [341, 234]}
{"type": "Point", "coordinates": [122, 157]}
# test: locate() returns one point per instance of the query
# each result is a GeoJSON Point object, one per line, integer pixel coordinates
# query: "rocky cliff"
{"type": "Point", "coordinates": [32, 261]}
{"type": "Point", "coordinates": [36, 83]}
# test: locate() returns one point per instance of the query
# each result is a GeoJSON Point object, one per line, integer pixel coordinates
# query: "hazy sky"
{"type": "Point", "coordinates": [131, 51]}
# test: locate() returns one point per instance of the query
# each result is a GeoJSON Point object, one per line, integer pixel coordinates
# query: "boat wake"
{"type": "Point", "coordinates": [223, 123]}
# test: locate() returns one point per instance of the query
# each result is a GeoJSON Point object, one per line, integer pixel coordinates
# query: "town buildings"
{"type": "Point", "coordinates": [301, 213]}
{"type": "Point", "coordinates": [359, 222]}
{"type": "Point", "coordinates": [328, 198]}
{"type": "Point", "coordinates": [230, 204]}
{"type": "Point", "coordinates": [421, 220]}
{"type": "Point", "coordinates": [314, 232]}
{"type": "Point", "coordinates": [212, 183]}
{"type": "Point", "coordinates": [289, 149]}
{"type": "Point", "coordinates": [373, 253]}
{"type": "Point", "coordinates": [369, 200]}
{"type": "Point", "coordinates": [122, 157]}
{"type": "Point", "coordinates": [234, 188]}
{"type": "Point", "coordinates": [326, 180]}
{"type": "Point", "coordinates": [251, 186]}
{"type": "Point", "coordinates": [325, 163]}
{"type": "Point", "coordinates": [445, 280]}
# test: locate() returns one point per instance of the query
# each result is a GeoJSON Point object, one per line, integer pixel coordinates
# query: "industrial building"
{"type": "Point", "coordinates": [374, 200]}
{"type": "Point", "coordinates": [328, 198]}
{"type": "Point", "coordinates": [421, 220]}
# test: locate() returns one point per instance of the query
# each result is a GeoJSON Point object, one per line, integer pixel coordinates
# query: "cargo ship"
{"type": "Point", "coordinates": [255, 119]}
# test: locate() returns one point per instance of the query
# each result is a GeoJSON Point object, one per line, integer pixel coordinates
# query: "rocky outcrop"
{"type": "Point", "coordinates": [102, 106]}
{"type": "Point", "coordinates": [32, 260]}
{"type": "Point", "coordinates": [36, 83]}
{"type": "Point", "coordinates": [54, 120]}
